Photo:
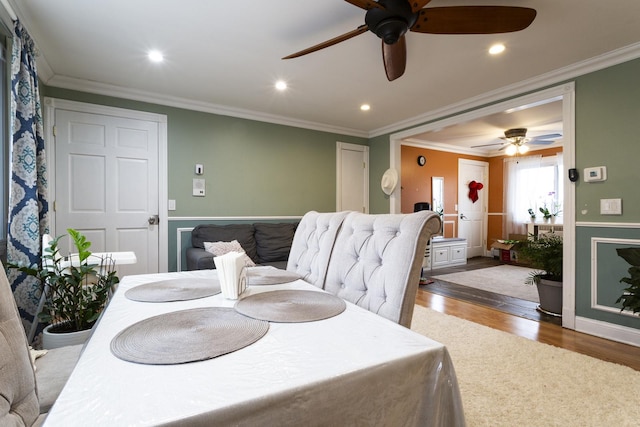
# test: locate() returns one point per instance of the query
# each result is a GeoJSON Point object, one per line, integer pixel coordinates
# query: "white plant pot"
{"type": "Point", "coordinates": [51, 340]}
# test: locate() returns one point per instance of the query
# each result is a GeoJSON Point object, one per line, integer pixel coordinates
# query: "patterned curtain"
{"type": "Point", "coordinates": [28, 200]}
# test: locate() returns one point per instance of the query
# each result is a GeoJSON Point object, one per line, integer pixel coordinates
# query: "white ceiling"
{"type": "Point", "coordinates": [541, 119]}
{"type": "Point", "coordinates": [224, 56]}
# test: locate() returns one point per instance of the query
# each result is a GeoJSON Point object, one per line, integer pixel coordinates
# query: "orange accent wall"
{"type": "Point", "coordinates": [415, 185]}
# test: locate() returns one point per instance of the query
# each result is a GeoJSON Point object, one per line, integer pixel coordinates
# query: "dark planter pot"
{"type": "Point", "coordinates": [550, 293]}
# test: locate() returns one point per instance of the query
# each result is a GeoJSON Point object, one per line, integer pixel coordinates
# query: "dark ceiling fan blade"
{"type": "Point", "coordinates": [473, 19]}
{"type": "Point", "coordinates": [365, 4]}
{"type": "Point", "coordinates": [361, 29]}
{"type": "Point", "coordinates": [416, 5]}
{"type": "Point", "coordinates": [395, 58]}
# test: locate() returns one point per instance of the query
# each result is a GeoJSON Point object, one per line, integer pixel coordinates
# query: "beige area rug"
{"type": "Point", "coordinates": [506, 380]}
{"type": "Point", "coordinates": [503, 279]}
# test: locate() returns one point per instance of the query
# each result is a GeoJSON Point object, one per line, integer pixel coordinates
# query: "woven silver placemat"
{"type": "Point", "coordinates": [174, 290]}
{"type": "Point", "coordinates": [267, 275]}
{"type": "Point", "coordinates": [289, 306]}
{"type": "Point", "coordinates": [187, 336]}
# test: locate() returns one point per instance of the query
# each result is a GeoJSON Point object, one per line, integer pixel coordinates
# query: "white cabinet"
{"type": "Point", "coordinates": [446, 252]}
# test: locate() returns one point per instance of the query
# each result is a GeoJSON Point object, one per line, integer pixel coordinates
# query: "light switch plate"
{"type": "Point", "coordinates": [610, 206]}
{"type": "Point", "coordinates": [172, 205]}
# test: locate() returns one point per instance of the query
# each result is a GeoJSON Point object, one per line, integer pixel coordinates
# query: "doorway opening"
{"type": "Point", "coordinates": [452, 135]}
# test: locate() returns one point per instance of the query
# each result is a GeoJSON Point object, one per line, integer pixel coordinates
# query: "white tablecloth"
{"type": "Point", "coordinates": [356, 368]}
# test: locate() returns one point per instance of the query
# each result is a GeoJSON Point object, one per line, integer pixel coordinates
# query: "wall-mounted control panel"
{"type": "Point", "coordinates": [198, 187]}
{"type": "Point", "coordinates": [595, 174]}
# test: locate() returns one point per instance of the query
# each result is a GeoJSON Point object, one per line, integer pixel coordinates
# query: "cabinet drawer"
{"type": "Point", "coordinates": [459, 253]}
{"type": "Point", "coordinates": [440, 255]}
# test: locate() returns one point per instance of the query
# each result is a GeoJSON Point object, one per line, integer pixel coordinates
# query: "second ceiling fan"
{"type": "Point", "coordinates": [391, 19]}
{"type": "Point", "coordinates": [515, 140]}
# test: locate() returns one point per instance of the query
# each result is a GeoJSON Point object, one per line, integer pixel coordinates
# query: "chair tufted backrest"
{"type": "Point", "coordinates": [377, 259]}
{"type": "Point", "coordinates": [312, 245]}
{"type": "Point", "coordinates": [18, 399]}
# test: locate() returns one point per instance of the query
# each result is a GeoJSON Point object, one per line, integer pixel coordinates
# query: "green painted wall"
{"type": "Point", "coordinates": [251, 168]}
{"type": "Point", "coordinates": [607, 118]}
{"type": "Point", "coordinates": [610, 269]}
{"type": "Point", "coordinates": [607, 111]}
{"type": "Point", "coordinates": [379, 157]}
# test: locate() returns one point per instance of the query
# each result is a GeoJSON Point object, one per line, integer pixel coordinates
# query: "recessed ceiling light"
{"type": "Point", "coordinates": [496, 49]}
{"type": "Point", "coordinates": [365, 107]}
{"type": "Point", "coordinates": [155, 56]}
{"type": "Point", "coordinates": [281, 85]}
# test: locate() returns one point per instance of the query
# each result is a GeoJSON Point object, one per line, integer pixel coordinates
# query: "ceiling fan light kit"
{"type": "Point", "coordinates": [390, 20]}
{"type": "Point", "coordinates": [517, 141]}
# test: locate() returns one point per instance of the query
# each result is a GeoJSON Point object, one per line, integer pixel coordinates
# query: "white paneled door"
{"type": "Point", "coordinates": [352, 177]}
{"type": "Point", "coordinates": [472, 216]}
{"type": "Point", "coordinates": [106, 184]}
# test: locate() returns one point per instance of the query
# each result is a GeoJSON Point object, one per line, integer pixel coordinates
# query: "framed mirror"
{"type": "Point", "coordinates": [437, 194]}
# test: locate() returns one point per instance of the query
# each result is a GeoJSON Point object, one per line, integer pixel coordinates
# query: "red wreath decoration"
{"type": "Point", "coordinates": [473, 190]}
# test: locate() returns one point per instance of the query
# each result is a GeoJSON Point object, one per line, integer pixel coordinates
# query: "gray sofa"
{"type": "Point", "coordinates": [265, 243]}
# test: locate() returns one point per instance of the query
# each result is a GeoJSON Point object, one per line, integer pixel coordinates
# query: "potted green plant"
{"type": "Point", "coordinates": [630, 299]}
{"type": "Point", "coordinates": [545, 213]}
{"type": "Point", "coordinates": [76, 289]}
{"type": "Point", "coordinates": [544, 254]}
{"type": "Point", "coordinates": [532, 215]}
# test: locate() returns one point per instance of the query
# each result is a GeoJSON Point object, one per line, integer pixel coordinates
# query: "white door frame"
{"type": "Point", "coordinates": [365, 171]}
{"type": "Point", "coordinates": [567, 93]}
{"type": "Point", "coordinates": [51, 104]}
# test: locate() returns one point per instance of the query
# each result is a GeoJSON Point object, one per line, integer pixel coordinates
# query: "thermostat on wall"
{"type": "Point", "coordinates": [595, 174]}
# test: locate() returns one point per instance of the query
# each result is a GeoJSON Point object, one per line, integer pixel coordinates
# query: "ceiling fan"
{"type": "Point", "coordinates": [391, 19]}
{"type": "Point", "coordinates": [515, 140]}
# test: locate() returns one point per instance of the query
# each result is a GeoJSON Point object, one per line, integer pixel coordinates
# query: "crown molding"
{"type": "Point", "coordinates": [569, 72]}
{"type": "Point", "coordinates": [71, 83]}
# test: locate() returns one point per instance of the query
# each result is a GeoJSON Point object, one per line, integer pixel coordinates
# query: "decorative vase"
{"type": "Point", "coordinates": [553, 219]}
{"type": "Point", "coordinates": [55, 340]}
{"type": "Point", "coordinates": [546, 220]}
{"type": "Point", "coordinates": [550, 293]}
{"type": "Point", "coordinates": [533, 220]}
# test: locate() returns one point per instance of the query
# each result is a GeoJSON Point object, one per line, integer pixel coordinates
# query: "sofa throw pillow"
{"type": "Point", "coordinates": [243, 233]}
{"type": "Point", "coordinates": [221, 248]}
{"type": "Point", "coordinates": [273, 240]}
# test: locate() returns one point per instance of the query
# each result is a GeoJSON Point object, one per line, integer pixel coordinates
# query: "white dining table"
{"type": "Point", "coordinates": [353, 369]}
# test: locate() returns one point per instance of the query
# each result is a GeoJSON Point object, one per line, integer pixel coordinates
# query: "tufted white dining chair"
{"type": "Point", "coordinates": [19, 401]}
{"type": "Point", "coordinates": [27, 390]}
{"type": "Point", "coordinates": [312, 245]}
{"type": "Point", "coordinates": [376, 261]}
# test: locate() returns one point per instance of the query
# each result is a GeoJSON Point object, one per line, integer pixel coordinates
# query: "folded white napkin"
{"type": "Point", "coordinates": [232, 274]}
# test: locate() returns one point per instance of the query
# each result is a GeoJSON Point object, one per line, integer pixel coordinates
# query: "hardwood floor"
{"type": "Point", "coordinates": [541, 331]}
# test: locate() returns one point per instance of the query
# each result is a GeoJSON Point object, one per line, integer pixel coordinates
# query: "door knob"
{"type": "Point", "coordinates": [154, 220]}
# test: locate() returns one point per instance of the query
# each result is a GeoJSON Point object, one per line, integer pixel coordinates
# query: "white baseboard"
{"type": "Point", "coordinates": [609, 331]}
